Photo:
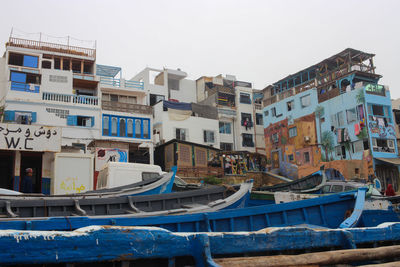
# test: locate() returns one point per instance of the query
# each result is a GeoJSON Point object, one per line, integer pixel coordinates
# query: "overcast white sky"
{"type": "Point", "coordinates": [258, 41]}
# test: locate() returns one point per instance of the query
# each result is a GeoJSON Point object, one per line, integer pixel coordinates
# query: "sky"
{"type": "Point", "coordinates": [257, 41]}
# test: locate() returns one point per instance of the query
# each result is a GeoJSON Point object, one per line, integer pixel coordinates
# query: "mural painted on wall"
{"type": "Point", "coordinates": [30, 137]}
{"type": "Point", "coordinates": [384, 130]}
{"type": "Point", "coordinates": [104, 155]}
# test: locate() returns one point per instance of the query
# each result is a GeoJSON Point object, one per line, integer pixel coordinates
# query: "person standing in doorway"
{"type": "Point", "coordinates": [26, 183]}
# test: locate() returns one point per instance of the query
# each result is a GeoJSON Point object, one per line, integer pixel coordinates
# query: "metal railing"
{"type": "Point", "coordinates": [73, 99]}
{"type": "Point", "coordinates": [121, 83]}
{"type": "Point", "coordinates": [67, 49]}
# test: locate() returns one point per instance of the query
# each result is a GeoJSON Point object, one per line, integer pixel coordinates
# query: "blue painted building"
{"type": "Point", "coordinates": [352, 114]}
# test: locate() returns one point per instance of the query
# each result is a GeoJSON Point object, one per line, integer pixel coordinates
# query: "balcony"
{"type": "Point", "coordinates": [71, 99]}
{"type": "Point", "coordinates": [375, 89]}
{"type": "Point", "coordinates": [126, 107]}
{"type": "Point", "coordinates": [45, 46]}
{"type": "Point", "coordinates": [121, 83]}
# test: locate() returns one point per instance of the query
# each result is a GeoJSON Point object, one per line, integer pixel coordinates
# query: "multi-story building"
{"type": "Point", "coordinates": [45, 84]}
{"type": "Point", "coordinates": [396, 118]}
{"type": "Point", "coordinates": [333, 110]}
{"type": "Point", "coordinates": [126, 128]}
{"type": "Point", "coordinates": [239, 112]}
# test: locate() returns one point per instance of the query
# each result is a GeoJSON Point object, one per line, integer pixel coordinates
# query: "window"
{"type": "Point", "coordinates": [76, 120]}
{"type": "Point", "coordinates": [154, 99]}
{"type": "Point", "coordinates": [226, 146]}
{"type": "Point", "coordinates": [306, 157]}
{"type": "Point", "coordinates": [129, 128]}
{"type": "Point", "coordinates": [122, 127]}
{"type": "Point", "coordinates": [21, 81]}
{"type": "Point", "coordinates": [341, 121]}
{"type": "Point", "coordinates": [275, 138]}
{"type": "Point", "coordinates": [341, 151]}
{"type": "Point", "coordinates": [305, 101]}
{"type": "Point", "coordinates": [225, 127]}
{"type": "Point", "coordinates": [58, 79]}
{"type": "Point", "coordinates": [149, 175]}
{"type": "Point", "coordinates": [273, 112]}
{"type": "Point", "coordinates": [293, 132]}
{"type": "Point", "coordinates": [383, 145]}
{"type": "Point", "coordinates": [114, 125]}
{"type": "Point", "coordinates": [358, 146]}
{"type": "Point", "coordinates": [378, 110]}
{"type": "Point", "coordinates": [126, 127]}
{"type": "Point", "coordinates": [20, 117]}
{"type": "Point", "coordinates": [246, 117]}
{"type": "Point", "coordinates": [247, 140]}
{"type": "Point", "coordinates": [23, 60]}
{"type": "Point", "coordinates": [266, 113]}
{"type": "Point", "coordinates": [106, 126]}
{"type": "Point", "coordinates": [290, 157]}
{"type": "Point", "coordinates": [180, 134]}
{"type": "Point", "coordinates": [138, 130]}
{"type": "Point", "coordinates": [146, 129]}
{"type": "Point", "coordinates": [114, 98]}
{"type": "Point", "coordinates": [259, 119]}
{"type": "Point", "coordinates": [208, 136]}
{"type": "Point", "coordinates": [351, 115]}
{"type": "Point", "coordinates": [245, 98]}
{"type": "Point", "coordinates": [290, 105]}
{"type": "Point", "coordinates": [337, 188]}
{"type": "Point", "coordinates": [46, 64]}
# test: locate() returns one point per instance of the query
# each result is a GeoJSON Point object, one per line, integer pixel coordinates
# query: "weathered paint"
{"type": "Point", "coordinates": [327, 211]}
{"type": "Point", "coordinates": [100, 243]}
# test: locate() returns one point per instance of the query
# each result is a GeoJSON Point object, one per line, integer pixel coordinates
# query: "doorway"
{"type": "Point", "coordinates": [7, 169]}
{"type": "Point", "coordinates": [275, 159]}
{"type": "Point", "coordinates": [33, 160]}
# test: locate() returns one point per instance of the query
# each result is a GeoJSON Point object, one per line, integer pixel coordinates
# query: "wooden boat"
{"type": "Point", "coordinates": [158, 185]}
{"type": "Point", "coordinates": [156, 246]}
{"type": "Point", "coordinates": [191, 201]}
{"type": "Point", "coordinates": [308, 182]}
{"type": "Point", "coordinates": [326, 211]}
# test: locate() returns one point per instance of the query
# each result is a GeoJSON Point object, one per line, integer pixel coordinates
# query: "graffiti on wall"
{"type": "Point", "coordinates": [71, 185]}
{"type": "Point", "coordinates": [381, 130]}
{"type": "Point", "coordinates": [104, 155]}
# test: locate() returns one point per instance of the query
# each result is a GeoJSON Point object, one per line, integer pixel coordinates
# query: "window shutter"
{"type": "Point", "coordinates": [72, 120]}
{"type": "Point", "coordinates": [92, 120]}
{"type": "Point", "coordinates": [9, 115]}
{"type": "Point", "coordinates": [33, 116]}
{"type": "Point", "coordinates": [212, 137]}
{"type": "Point", "coordinates": [205, 136]}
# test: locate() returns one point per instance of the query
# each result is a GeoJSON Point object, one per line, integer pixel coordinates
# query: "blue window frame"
{"type": "Point", "coordinates": [26, 82]}
{"type": "Point", "coordinates": [30, 61]}
{"type": "Point", "coordinates": [224, 127]}
{"type": "Point", "coordinates": [127, 127]}
{"type": "Point", "coordinates": [21, 117]}
{"type": "Point", "coordinates": [77, 120]}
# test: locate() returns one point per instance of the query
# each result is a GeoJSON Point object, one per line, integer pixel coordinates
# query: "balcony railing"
{"type": "Point", "coordinates": [126, 107]}
{"type": "Point", "coordinates": [71, 99]}
{"type": "Point", "coordinates": [375, 89]}
{"type": "Point", "coordinates": [121, 83]}
{"type": "Point", "coordinates": [67, 49]}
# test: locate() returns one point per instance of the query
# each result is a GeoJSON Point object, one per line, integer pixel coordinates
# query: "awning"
{"type": "Point", "coordinates": [394, 161]}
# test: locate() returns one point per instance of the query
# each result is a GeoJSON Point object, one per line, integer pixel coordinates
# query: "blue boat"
{"type": "Point", "coordinates": [159, 185]}
{"type": "Point", "coordinates": [206, 199]}
{"type": "Point", "coordinates": [328, 211]}
{"type": "Point", "coordinates": [95, 244]}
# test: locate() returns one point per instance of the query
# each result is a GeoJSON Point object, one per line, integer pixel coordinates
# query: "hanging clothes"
{"type": "Point", "coordinates": [346, 136]}
{"type": "Point", "coordinates": [339, 135]}
{"type": "Point", "coordinates": [381, 122]}
{"type": "Point", "coordinates": [357, 129]}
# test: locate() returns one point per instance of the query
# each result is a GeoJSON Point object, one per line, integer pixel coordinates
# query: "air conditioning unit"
{"type": "Point", "coordinates": [307, 139]}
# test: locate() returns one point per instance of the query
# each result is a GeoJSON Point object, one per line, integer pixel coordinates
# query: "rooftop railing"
{"type": "Point", "coordinates": [71, 99]}
{"type": "Point", "coordinates": [45, 46]}
{"type": "Point", "coordinates": [121, 83]}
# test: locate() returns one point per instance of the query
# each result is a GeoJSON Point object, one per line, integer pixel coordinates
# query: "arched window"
{"type": "Point", "coordinates": [138, 130]}
{"type": "Point", "coordinates": [106, 127]}
{"type": "Point", "coordinates": [130, 128]}
{"type": "Point", "coordinates": [114, 126]}
{"type": "Point", "coordinates": [145, 128]}
{"type": "Point", "coordinates": [122, 128]}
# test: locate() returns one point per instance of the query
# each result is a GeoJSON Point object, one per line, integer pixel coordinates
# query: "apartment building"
{"type": "Point", "coordinates": [334, 110]}
{"type": "Point", "coordinates": [50, 97]}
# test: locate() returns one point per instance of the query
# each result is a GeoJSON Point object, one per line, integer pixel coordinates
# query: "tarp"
{"type": "Point", "coordinates": [394, 161]}
{"type": "Point", "coordinates": [177, 105]}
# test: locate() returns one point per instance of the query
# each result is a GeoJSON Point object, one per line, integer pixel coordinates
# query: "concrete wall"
{"type": "Point", "coordinates": [186, 92]}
